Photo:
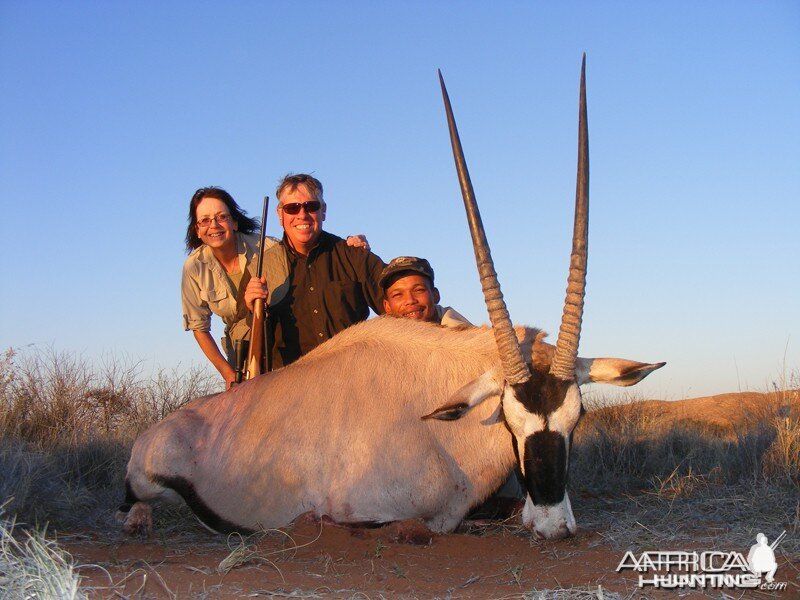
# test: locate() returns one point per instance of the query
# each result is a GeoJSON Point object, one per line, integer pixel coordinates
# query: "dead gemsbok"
{"type": "Point", "coordinates": [339, 432]}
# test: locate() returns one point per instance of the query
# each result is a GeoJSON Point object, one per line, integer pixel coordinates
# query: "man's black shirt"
{"type": "Point", "coordinates": [329, 290]}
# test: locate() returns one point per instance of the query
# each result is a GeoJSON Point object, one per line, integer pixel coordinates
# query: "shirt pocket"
{"type": "Point", "coordinates": [219, 301]}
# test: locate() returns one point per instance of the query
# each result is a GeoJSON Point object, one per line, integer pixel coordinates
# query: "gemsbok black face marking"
{"type": "Point", "coordinates": [545, 467]}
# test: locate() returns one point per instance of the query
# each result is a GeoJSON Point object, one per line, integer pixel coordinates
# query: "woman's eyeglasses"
{"type": "Point", "coordinates": [221, 219]}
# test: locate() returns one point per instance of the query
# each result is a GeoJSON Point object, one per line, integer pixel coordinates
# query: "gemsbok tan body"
{"type": "Point", "coordinates": [358, 431]}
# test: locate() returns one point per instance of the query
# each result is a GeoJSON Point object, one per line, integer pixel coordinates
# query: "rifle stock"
{"type": "Point", "coordinates": [256, 355]}
{"type": "Point", "coordinates": [255, 359]}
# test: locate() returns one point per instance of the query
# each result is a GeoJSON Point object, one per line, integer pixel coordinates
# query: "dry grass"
{"type": "Point", "coordinates": [51, 398]}
{"type": "Point", "coordinates": [66, 429]}
{"type": "Point", "coordinates": [32, 566]}
{"type": "Point", "coordinates": [648, 481]}
{"type": "Point", "coordinates": [633, 446]}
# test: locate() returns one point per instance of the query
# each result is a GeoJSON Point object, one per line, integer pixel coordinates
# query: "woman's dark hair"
{"type": "Point", "coordinates": [245, 223]}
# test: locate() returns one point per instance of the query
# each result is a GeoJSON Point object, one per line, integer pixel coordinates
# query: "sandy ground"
{"type": "Point", "coordinates": [310, 559]}
{"type": "Point", "coordinates": [314, 560]}
{"type": "Point", "coordinates": [329, 561]}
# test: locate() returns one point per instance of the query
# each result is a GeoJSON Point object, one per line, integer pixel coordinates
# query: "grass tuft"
{"type": "Point", "coordinates": [35, 567]}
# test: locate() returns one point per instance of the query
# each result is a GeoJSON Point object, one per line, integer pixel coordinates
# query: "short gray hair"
{"type": "Point", "coordinates": [291, 181]}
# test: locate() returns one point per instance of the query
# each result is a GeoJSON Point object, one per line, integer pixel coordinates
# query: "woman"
{"type": "Point", "coordinates": [221, 240]}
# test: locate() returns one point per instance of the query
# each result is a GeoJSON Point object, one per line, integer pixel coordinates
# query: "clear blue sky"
{"type": "Point", "coordinates": [113, 113]}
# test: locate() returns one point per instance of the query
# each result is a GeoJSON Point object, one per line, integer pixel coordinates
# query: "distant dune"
{"type": "Point", "coordinates": [723, 414]}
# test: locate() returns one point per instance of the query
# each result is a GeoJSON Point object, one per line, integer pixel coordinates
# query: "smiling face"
{"type": "Point", "coordinates": [218, 234]}
{"type": "Point", "coordinates": [412, 296]}
{"type": "Point", "coordinates": [304, 228]}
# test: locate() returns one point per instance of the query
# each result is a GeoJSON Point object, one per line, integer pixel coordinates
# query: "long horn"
{"type": "Point", "coordinates": [514, 368]}
{"type": "Point", "coordinates": [563, 365]}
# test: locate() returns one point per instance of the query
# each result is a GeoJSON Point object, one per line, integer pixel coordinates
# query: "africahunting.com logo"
{"type": "Point", "coordinates": [672, 569]}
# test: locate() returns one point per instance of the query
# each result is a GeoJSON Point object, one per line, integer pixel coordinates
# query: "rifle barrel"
{"type": "Point", "coordinates": [260, 267]}
{"type": "Point", "coordinates": [255, 357]}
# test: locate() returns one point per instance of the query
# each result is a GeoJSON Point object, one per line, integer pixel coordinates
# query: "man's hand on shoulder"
{"type": "Point", "coordinates": [358, 241]}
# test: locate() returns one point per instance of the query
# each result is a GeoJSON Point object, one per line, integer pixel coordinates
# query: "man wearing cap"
{"type": "Point", "coordinates": [408, 291]}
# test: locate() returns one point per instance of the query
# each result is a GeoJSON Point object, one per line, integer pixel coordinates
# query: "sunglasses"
{"type": "Point", "coordinates": [293, 208]}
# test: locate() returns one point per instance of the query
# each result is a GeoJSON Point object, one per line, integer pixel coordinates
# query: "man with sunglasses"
{"type": "Point", "coordinates": [316, 285]}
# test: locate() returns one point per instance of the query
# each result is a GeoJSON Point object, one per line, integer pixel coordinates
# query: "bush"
{"type": "Point", "coordinates": [51, 398]}
{"type": "Point", "coordinates": [66, 430]}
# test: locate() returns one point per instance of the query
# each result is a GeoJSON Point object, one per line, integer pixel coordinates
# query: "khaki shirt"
{"type": "Point", "coordinates": [206, 289]}
{"type": "Point", "coordinates": [275, 268]}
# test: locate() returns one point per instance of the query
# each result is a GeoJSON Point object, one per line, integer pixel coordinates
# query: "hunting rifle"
{"type": "Point", "coordinates": [255, 358]}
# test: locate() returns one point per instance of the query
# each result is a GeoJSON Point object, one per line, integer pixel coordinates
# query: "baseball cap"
{"type": "Point", "coordinates": [402, 264]}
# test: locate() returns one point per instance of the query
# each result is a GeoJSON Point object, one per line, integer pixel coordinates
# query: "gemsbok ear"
{"type": "Point", "coordinates": [615, 371]}
{"type": "Point", "coordinates": [467, 398]}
